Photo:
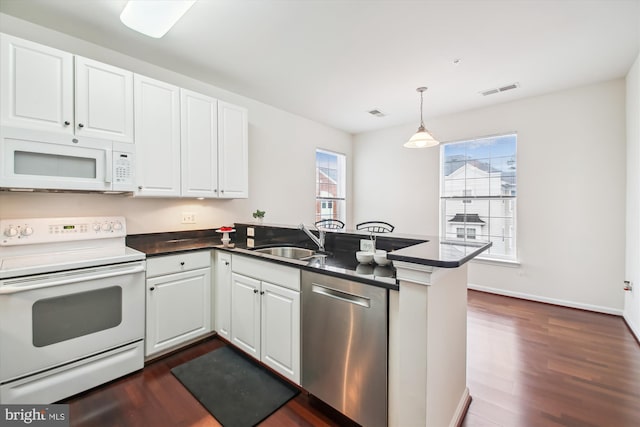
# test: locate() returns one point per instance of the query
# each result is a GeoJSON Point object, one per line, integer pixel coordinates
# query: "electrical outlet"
{"type": "Point", "coordinates": [250, 232]}
{"type": "Point", "coordinates": [188, 218]}
{"type": "Point", "coordinates": [367, 245]}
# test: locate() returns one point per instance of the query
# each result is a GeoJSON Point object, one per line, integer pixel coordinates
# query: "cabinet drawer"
{"type": "Point", "coordinates": [288, 277]}
{"type": "Point", "coordinates": [169, 264]}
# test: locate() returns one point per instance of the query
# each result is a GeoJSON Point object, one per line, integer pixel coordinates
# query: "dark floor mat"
{"type": "Point", "coordinates": [237, 392]}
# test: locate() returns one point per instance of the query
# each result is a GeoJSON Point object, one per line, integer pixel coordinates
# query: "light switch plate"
{"type": "Point", "coordinates": [188, 218]}
{"type": "Point", "coordinates": [367, 245]}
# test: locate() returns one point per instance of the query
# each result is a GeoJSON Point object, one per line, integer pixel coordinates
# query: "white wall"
{"type": "Point", "coordinates": [281, 159]}
{"type": "Point", "coordinates": [632, 267]}
{"type": "Point", "coordinates": [571, 191]}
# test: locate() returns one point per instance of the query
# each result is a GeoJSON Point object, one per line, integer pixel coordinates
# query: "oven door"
{"type": "Point", "coordinates": [41, 160]}
{"type": "Point", "coordinates": [52, 319]}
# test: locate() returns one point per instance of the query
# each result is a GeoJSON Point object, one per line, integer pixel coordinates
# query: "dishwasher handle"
{"type": "Point", "coordinates": [341, 295]}
{"type": "Point", "coordinates": [5, 290]}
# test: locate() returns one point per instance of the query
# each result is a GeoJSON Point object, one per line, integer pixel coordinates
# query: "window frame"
{"type": "Point", "coordinates": [341, 185]}
{"type": "Point", "coordinates": [466, 199]}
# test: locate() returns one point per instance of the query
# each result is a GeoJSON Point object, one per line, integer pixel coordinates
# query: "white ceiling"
{"type": "Point", "coordinates": [333, 60]}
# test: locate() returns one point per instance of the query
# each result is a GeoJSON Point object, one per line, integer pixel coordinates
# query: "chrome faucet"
{"type": "Point", "coordinates": [318, 241]}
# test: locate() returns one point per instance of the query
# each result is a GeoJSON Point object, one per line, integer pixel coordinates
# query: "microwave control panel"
{"type": "Point", "coordinates": [123, 167]}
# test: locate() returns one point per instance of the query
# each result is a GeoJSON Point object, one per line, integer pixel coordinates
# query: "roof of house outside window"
{"type": "Point", "coordinates": [467, 218]}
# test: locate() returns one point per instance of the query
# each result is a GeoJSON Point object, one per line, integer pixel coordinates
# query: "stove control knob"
{"type": "Point", "coordinates": [117, 226]}
{"type": "Point", "coordinates": [106, 227]}
{"type": "Point", "coordinates": [96, 227]}
{"type": "Point", "coordinates": [11, 231]}
{"type": "Point", "coordinates": [27, 231]}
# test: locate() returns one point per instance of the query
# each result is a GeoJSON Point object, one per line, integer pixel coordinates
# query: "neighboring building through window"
{"type": "Point", "coordinates": [330, 185]}
{"type": "Point", "coordinates": [478, 193]}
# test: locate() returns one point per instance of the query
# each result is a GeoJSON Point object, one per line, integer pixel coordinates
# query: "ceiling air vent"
{"type": "Point", "coordinates": [376, 113]}
{"type": "Point", "coordinates": [500, 89]}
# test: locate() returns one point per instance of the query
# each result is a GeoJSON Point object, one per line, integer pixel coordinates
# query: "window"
{"type": "Point", "coordinates": [478, 193]}
{"type": "Point", "coordinates": [330, 185]}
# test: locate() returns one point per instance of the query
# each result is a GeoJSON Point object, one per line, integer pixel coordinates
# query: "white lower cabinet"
{"type": "Point", "coordinates": [222, 294]}
{"type": "Point", "coordinates": [245, 313]}
{"type": "Point", "coordinates": [178, 300]}
{"type": "Point", "coordinates": [280, 330]}
{"type": "Point", "coordinates": [265, 313]}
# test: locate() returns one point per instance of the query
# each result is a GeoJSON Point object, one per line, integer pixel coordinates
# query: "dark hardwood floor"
{"type": "Point", "coordinates": [529, 364]}
{"type": "Point", "coordinates": [533, 364]}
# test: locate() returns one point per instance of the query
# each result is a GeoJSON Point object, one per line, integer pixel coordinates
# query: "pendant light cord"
{"type": "Point", "coordinates": [421, 115]}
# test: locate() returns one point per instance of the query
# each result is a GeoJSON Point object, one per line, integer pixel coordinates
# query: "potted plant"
{"type": "Point", "coordinates": [259, 215]}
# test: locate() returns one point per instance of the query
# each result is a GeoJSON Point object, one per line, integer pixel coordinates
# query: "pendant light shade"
{"type": "Point", "coordinates": [422, 138]}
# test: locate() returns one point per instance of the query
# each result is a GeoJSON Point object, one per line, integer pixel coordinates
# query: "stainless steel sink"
{"type": "Point", "coordinates": [290, 252]}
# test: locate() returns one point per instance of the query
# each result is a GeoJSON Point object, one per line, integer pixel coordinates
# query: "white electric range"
{"type": "Point", "coordinates": [71, 306]}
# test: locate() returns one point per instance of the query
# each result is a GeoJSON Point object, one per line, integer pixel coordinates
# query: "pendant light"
{"type": "Point", "coordinates": [422, 138]}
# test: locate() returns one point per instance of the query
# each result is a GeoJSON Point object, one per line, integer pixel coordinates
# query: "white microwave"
{"type": "Point", "coordinates": [49, 161]}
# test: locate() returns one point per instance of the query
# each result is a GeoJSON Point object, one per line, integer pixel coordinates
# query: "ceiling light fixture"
{"type": "Point", "coordinates": [154, 18]}
{"type": "Point", "coordinates": [422, 138]}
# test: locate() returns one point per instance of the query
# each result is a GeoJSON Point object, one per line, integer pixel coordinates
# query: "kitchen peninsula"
{"type": "Point", "coordinates": [426, 296]}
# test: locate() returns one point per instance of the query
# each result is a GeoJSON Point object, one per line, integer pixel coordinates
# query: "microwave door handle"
{"type": "Point", "coordinates": [108, 173]}
{"type": "Point", "coordinates": [9, 289]}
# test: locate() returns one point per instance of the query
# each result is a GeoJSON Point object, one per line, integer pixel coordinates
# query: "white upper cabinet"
{"type": "Point", "coordinates": [157, 134]}
{"type": "Point", "coordinates": [104, 101]}
{"type": "Point", "coordinates": [187, 144]}
{"type": "Point", "coordinates": [37, 86]}
{"type": "Point", "coordinates": [233, 151]}
{"type": "Point", "coordinates": [199, 150]}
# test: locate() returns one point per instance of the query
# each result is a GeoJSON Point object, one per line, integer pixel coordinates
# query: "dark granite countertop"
{"type": "Point", "coordinates": [439, 253]}
{"type": "Point", "coordinates": [341, 247]}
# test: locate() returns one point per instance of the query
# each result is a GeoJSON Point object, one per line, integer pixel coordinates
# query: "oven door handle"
{"type": "Point", "coordinates": [9, 289]}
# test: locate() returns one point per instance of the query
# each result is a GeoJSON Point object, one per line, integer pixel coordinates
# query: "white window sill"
{"type": "Point", "coordinates": [497, 262]}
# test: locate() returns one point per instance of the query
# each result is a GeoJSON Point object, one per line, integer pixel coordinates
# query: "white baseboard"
{"type": "Point", "coordinates": [564, 303]}
{"type": "Point", "coordinates": [461, 410]}
{"type": "Point", "coordinates": [633, 328]}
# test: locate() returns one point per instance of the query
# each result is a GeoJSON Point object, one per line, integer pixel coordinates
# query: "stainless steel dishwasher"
{"type": "Point", "coordinates": [344, 346]}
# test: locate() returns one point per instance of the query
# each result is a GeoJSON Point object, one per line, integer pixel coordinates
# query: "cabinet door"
{"type": "Point", "coordinates": [280, 344]}
{"type": "Point", "coordinates": [245, 314]}
{"type": "Point", "coordinates": [178, 309]}
{"type": "Point", "coordinates": [222, 297]}
{"type": "Point", "coordinates": [199, 147]}
{"type": "Point", "coordinates": [104, 101]}
{"type": "Point", "coordinates": [37, 86]}
{"type": "Point", "coordinates": [233, 151]}
{"type": "Point", "coordinates": [157, 133]}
